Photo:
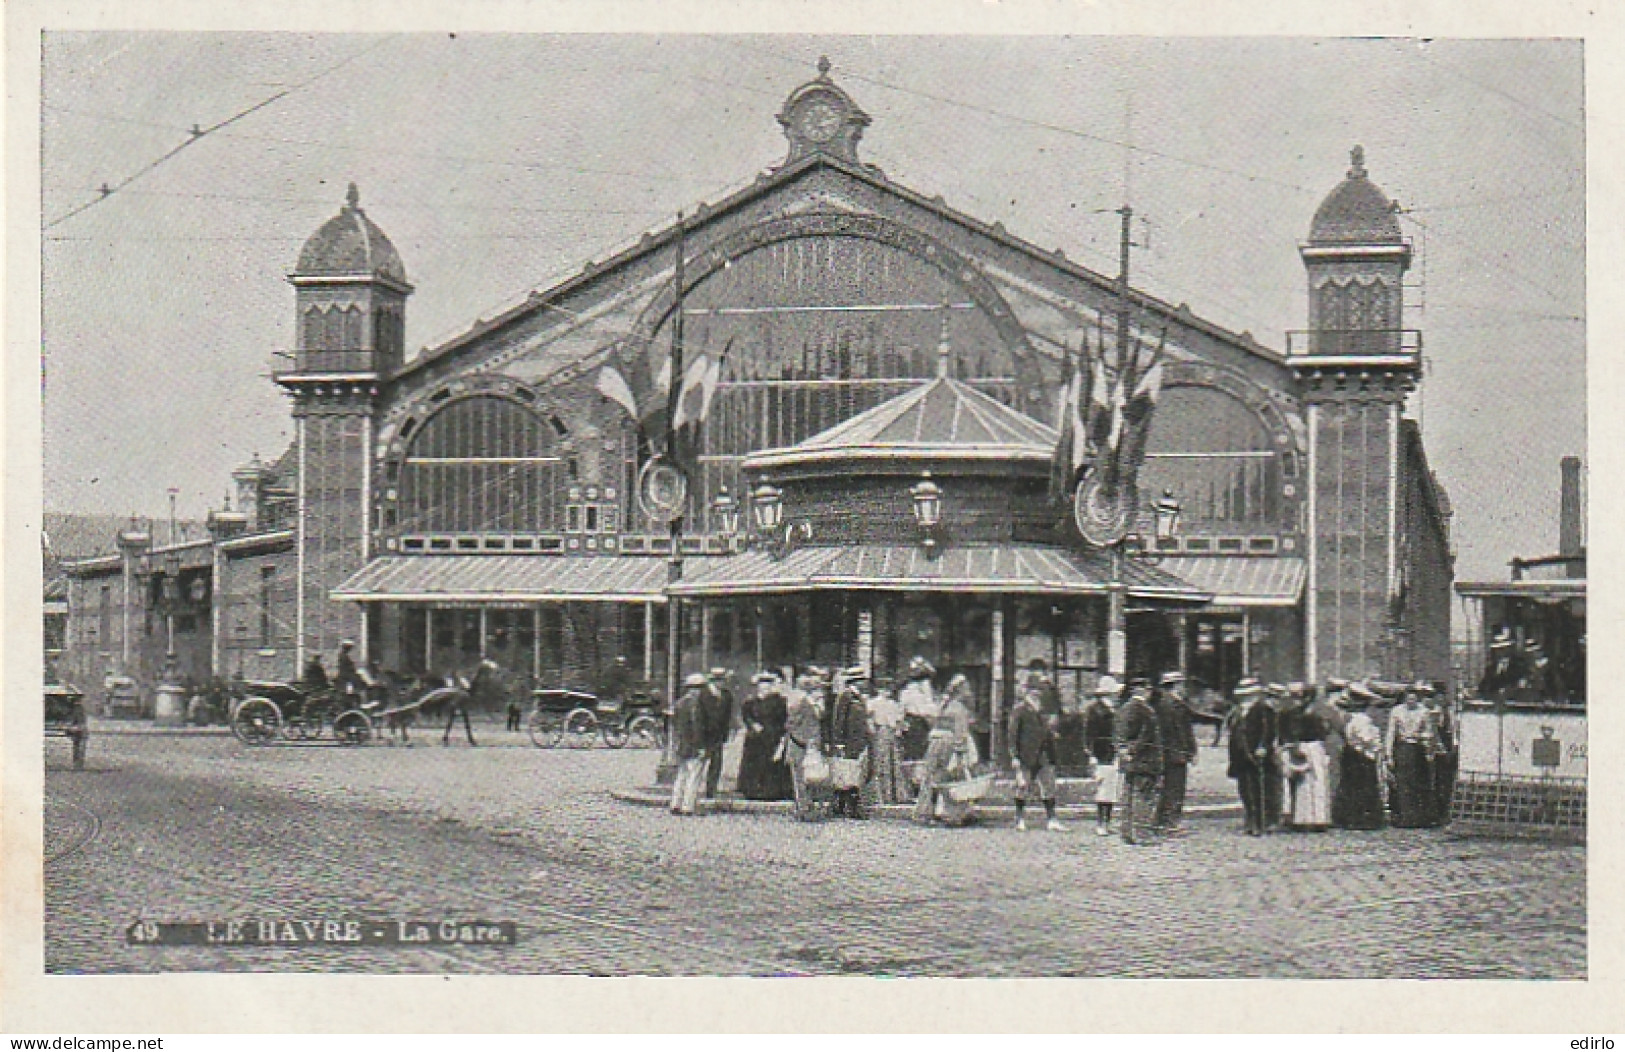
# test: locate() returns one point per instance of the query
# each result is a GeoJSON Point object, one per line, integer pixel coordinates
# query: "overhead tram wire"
{"type": "Point", "coordinates": [374, 203]}
{"type": "Point", "coordinates": [535, 166]}
{"type": "Point", "coordinates": [197, 134]}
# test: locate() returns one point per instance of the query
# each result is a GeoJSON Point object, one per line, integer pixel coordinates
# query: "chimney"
{"type": "Point", "coordinates": [1569, 543]}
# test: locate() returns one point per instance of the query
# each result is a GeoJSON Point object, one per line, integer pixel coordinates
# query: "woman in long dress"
{"type": "Point", "coordinates": [950, 753]}
{"type": "Point", "coordinates": [1100, 731]}
{"type": "Point", "coordinates": [1359, 790]}
{"type": "Point", "coordinates": [763, 774]}
{"type": "Point", "coordinates": [1411, 746]}
{"type": "Point", "coordinates": [886, 782]}
{"type": "Point", "coordinates": [1309, 803]}
{"type": "Point", "coordinates": [1306, 766]}
{"type": "Point", "coordinates": [804, 735]}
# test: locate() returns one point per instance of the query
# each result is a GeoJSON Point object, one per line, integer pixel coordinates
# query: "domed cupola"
{"type": "Point", "coordinates": [1356, 258]}
{"type": "Point", "coordinates": [1356, 212]}
{"type": "Point", "coordinates": [351, 245]}
{"type": "Point", "coordinates": [820, 118]}
{"type": "Point", "coordinates": [351, 298]}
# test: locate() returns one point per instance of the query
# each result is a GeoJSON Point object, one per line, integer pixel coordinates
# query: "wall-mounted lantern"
{"type": "Point", "coordinates": [927, 497]}
{"type": "Point", "coordinates": [727, 515]}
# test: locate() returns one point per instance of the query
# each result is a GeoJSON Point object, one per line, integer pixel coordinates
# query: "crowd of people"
{"type": "Point", "coordinates": [837, 743]}
{"type": "Point", "coordinates": [1310, 760]}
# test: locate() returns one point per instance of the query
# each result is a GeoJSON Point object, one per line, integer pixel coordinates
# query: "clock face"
{"type": "Point", "coordinates": [820, 120]}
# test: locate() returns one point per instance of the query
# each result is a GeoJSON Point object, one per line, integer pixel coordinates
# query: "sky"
{"type": "Point", "coordinates": [498, 164]}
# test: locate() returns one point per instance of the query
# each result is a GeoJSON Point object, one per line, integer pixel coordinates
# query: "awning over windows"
{"type": "Point", "coordinates": [1243, 580]}
{"type": "Point", "coordinates": [999, 569]}
{"type": "Point", "coordinates": [511, 578]}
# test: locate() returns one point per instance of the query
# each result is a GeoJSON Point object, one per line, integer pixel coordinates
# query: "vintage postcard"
{"type": "Point", "coordinates": [963, 498]}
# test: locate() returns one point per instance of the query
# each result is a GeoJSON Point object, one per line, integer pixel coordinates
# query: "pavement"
{"type": "Point", "coordinates": [198, 826]}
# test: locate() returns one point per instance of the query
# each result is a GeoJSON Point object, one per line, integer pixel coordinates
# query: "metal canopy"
{"type": "Point", "coordinates": [510, 578]}
{"type": "Point", "coordinates": [1243, 580]}
{"type": "Point", "coordinates": [1009, 569]}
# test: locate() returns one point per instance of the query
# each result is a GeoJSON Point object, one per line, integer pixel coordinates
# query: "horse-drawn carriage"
{"type": "Point", "coordinates": [65, 718]}
{"type": "Point", "coordinates": [579, 720]}
{"type": "Point", "coordinates": [267, 712]}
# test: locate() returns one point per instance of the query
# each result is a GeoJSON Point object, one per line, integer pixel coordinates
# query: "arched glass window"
{"type": "Point", "coordinates": [1216, 456]}
{"type": "Point", "coordinates": [482, 464]}
{"type": "Point", "coordinates": [818, 330]}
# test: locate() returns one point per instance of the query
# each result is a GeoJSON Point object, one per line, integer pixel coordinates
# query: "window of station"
{"type": "Point", "coordinates": [820, 329]}
{"type": "Point", "coordinates": [482, 464]}
{"type": "Point", "coordinates": [1215, 455]}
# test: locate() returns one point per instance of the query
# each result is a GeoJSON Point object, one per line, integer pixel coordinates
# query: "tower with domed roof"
{"type": "Point", "coordinates": [1356, 364]}
{"type": "Point", "coordinates": [350, 293]}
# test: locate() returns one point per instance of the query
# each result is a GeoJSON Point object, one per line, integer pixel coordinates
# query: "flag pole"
{"type": "Point", "coordinates": [674, 568]}
{"type": "Point", "coordinates": [1116, 607]}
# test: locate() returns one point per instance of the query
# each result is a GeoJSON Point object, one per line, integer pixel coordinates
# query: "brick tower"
{"type": "Point", "coordinates": [350, 292]}
{"type": "Point", "coordinates": [1356, 366]}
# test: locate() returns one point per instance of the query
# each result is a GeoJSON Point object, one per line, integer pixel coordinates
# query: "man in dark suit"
{"type": "Point", "coordinates": [849, 736]}
{"type": "Point", "coordinates": [716, 710]}
{"type": "Point", "coordinates": [1032, 746]}
{"type": "Point", "coordinates": [1139, 751]}
{"type": "Point", "coordinates": [1252, 741]}
{"type": "Point", "coordinates": [1178, 751]}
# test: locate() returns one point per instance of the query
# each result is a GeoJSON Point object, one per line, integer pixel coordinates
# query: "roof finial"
{"type": "Point", "coordinates": [352, 198]}
{"type": "Point", "coordinates": [1357, 160]}
{"type": "Point", "coordinates": [823, 66]}
{"type": "Point", "coordinates": [944, 348]}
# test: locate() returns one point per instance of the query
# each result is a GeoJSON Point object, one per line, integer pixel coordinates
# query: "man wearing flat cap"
{"type": "Point", "coordinates": [1178, 751]}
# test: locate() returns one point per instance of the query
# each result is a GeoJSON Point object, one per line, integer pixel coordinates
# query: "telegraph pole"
{"type": "Point", "coordinates": [674, 568]}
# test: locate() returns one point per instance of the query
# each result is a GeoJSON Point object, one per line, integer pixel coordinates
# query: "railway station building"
{"type": "Point", "coordinates": [872, 477]}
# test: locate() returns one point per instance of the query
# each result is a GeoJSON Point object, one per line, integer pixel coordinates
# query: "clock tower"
{"type": "Point", "coordinates": [820, 118]}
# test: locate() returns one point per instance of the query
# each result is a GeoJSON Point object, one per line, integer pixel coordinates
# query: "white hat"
{"type": "Point", "coordinates": [1107, 684]}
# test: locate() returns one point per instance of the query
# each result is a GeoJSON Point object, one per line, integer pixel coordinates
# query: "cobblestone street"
{"type": "Point", "coordinates": [176, 828]}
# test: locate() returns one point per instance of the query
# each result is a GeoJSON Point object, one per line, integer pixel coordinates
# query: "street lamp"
{"type": "Point", "coordinates": [767, 503]}
{"type": "Point", "coordinates": [927, 497]}
{"type": "Point", "coordinates": [1167, 511]}
{"type": "Point", "coordinates": [727, 514]}
{"type": "Point", "coordinates": [172, 595]}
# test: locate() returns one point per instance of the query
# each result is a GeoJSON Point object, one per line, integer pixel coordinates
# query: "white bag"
{"type": "Point", "coordinates": [814, 768]}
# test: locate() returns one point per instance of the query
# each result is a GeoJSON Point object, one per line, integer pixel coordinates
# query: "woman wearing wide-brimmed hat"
{"type": "Point", "coordinates": [1358, 804]}
{"type": "Point", "coordinates": [763, 774]}
{"type": "Point", "coordinates": [1412, 744]}
{"type": "Point", "coordinates": [918, 697]}
{"type": "Point", "coordinates": [804, 743]}
{"type": "Point", "coordinates": [950, 753]}
{"type": "Point", "coordinates": [1100, 731]}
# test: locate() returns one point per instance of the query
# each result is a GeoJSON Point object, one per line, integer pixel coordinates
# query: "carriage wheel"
{"type": "Point", "coordinates": [258, 722]}
{"type": "Point", "coordinates": [614, 733]}
{"type": "Point", "coordinates": [307, 727]}
{"type": "Point", "coordinates": [352, 728]}
{"type": "Point", "coordinates": [644, 733]}
{"type": "Point", "coordinates": [542, 732]}
{"type": "Point", "coordinates": [580, 729]}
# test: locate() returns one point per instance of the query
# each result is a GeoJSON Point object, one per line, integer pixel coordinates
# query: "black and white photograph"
{"type": "Point", "coordinates": [734, 504]}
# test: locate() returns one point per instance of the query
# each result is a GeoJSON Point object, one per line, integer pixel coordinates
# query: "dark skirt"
{"type": "Point", "coordinates": [916, 733]}
{"type": "Point", "coordinates": [1071, 745]}
{"type": "Point", "coordinates": [1412, 802]}
{"type": "Point", "coordinates": [1358, 804]}
{"type": "Point", "coordinates": [761, 777]}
